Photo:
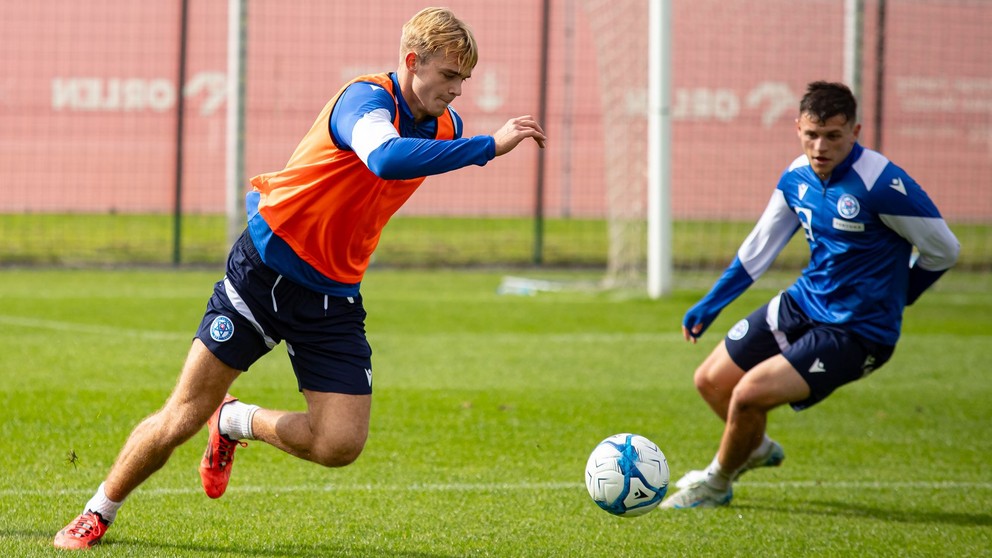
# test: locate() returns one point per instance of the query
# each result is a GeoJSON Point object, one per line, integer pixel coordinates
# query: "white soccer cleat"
{"type": "Point", "coordinates": [698, 495]}
{"type": "Point", "coordinates": [691, 478]}
{"type": "Point", "coordinates": [774, 458]}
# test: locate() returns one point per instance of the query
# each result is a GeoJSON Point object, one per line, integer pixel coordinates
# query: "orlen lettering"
{"type": "Point", "coordinates": [701, 103]}
{"type": "Point", "coordinates": [134, 94]}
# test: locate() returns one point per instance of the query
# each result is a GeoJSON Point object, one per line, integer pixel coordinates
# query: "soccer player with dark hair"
{"type": "Point", "coordinates": [862, 217]}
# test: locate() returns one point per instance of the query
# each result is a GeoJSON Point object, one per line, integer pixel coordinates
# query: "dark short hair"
{"type": "Point", "coordinates": [824, 100]}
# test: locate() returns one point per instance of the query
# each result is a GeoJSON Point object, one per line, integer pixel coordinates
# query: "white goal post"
{"type": "Point", "coordinates": [237, 16]}
{"type": "Point", "coordinates": [659, 244]}
{"type": "Point", "coordinates": [659, 153]}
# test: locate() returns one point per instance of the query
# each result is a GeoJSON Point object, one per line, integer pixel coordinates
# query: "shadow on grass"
{"type": "Point", "coordinates": [835, 508]}
{"type": "Point", "coordinates": [160, 548]}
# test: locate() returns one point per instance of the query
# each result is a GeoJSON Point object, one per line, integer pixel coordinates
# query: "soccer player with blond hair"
{"type": "Point", "coordinates": [295, 273]}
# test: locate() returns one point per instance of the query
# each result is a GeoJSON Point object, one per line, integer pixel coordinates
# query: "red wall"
{"type": "Point", "coordinates": [88, 99]}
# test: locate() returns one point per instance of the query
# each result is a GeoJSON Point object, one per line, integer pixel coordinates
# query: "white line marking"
{"type": "Point", "coordinates": [91, 328]}
{"type": "Point", "coordinates": [416, 487]}
{"type": "Point", "coordinates": [882, 485]}
{"type": "Point", "coordinates": [500, 487]}
{"type": "Point", "coordinates": [529, 337]}
{"type": "Point", "coordinates": [584, 337]}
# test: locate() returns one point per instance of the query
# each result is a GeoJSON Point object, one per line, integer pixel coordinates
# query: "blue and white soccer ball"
{"type": "Point", "coordinates": [627, 475]}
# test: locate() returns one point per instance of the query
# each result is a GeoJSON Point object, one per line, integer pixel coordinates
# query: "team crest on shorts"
{"type": "Point", "coordinates": [221, 329]}
{"type": "Point", "coordinates": [739, 330]}
{"type": "Point", "coordinates": [848, 206]}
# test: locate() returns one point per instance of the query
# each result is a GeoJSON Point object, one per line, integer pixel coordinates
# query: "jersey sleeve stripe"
{"type": "Point", "coordinates": [769, 236]}
{"type": "Point", "coordinates": [939, 248]}
{"type": "Point", "coordinates": [372, 130]}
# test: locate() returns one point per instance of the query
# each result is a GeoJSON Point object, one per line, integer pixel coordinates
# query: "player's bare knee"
{"type": "Point", "coordinates": [338, 453]}
{"type": "Point", "coordinates": [747, 398]}
{"type": "Point", "coordinates": [708, 382]}
{"type": "Point", "coordinates": [702, 381]}
{"type": "Point", "coordinates": [337, 458]}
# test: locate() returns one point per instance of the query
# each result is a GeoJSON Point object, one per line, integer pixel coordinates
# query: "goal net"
{"type": "Point", "coordinates": [114, 149]}
{"type": "Point", "coordinates": [619, 31]}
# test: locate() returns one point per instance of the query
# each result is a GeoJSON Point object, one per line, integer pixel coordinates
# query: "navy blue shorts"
{"type": "Point", "coordinates": [253, 308]}
{"type": "Point", "coordinates": [827, 356]}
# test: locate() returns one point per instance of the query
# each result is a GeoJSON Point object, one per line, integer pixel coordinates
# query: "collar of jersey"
{"type": "Point", "coordinates": [400, 101]}
{"type": "Point", "coordinates": [408, 126]}
{"type": "Point", "coordinates": [840, 171]}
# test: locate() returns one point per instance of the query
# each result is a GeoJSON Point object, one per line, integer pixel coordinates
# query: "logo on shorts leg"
{"type": "Point", "coordinates": [739, 330]}
{"type": "Point", "coordinates": [221, 329]}
{"type": "Point", "coordinates": [817, 366]}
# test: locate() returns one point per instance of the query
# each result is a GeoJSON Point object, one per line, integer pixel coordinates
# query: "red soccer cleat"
{"type": "Point", "coordinates": [82, 533]}
{"type": "Point", "coordinates": [215, 467]}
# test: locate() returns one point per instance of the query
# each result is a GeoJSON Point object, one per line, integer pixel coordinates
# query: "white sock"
{"type": "Point", "coordinates": [235, 420]}
{"type": "Point", "coordinates": [717, 477]}
{"type": "Point", "coordinates": [104, 506]}
{"type": "Point", "coordinates": [763, 448]}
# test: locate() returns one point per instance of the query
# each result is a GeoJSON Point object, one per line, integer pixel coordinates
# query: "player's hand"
{"type": "Point", "coordinates": [517, 130]}
{"type": "Point", "coordinates": [692, 335]}
{"type": "Point", "coordinates": [696, 320]}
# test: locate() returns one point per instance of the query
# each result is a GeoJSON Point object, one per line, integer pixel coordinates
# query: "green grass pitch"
{"type": "Point", "coordinates": [486, 407]}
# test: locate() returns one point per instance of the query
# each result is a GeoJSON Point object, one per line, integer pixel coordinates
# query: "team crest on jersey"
{"type": "Point", "coordinates": [848, 206]}
{"type": "Point", "coordinates": [739, 330]}
{"type": "Point", "coordinates": [221, 329]}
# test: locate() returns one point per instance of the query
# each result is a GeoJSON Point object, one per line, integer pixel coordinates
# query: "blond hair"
{"type": "Point", "coordinates": [437, 31]}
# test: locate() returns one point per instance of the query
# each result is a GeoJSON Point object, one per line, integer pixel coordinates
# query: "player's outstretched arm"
{"type": "Point", "coordinates": [515, 131]}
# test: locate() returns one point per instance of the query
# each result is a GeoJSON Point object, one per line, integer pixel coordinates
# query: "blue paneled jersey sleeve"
{"type": "Point", "coordinates": [362, 121]}
{"type": "Point", "coordinates": [404, 158]}
{"type": "Point", "coordinates": [734, 281]}
{"type": "Point", "coordinates": [359, 101]}
{"type": "Point", "coordinates": [905, 208]}
{"type": "Point", "coordinates": [777, 225]}
{"type": "Point", "coordinates": [908, 210]}
{"type": "Point", "coordinates": [770, 235]}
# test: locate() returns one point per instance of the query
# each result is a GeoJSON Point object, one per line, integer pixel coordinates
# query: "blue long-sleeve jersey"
{"type": "Point", "coordinates": [362, 121]}
{"type": "Point", "coordinates": [318, 221]}
{"type": "Point", "coordinates": [861, 225]}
